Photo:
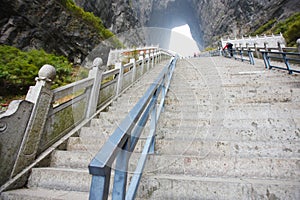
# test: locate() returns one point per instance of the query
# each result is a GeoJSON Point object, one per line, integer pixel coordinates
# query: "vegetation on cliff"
{"type": "Point", "coordinates": [290, 28]}
{"type": "Point", "coordinates": [18, 69]}
{"type": "Point", "coordinates": [89, 17]}
{"type": "Point", "coordinates": [93, 20]}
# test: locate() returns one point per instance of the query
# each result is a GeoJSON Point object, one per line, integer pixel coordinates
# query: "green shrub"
{"type": "Point", "coordinates": [264, 27]}
{"type": "Point", "coordinates": [18, 69]}
{"type": "Point", "coordinates": [290, 28]}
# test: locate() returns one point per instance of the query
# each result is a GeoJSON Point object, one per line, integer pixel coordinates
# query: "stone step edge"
{"type": "Point", "coordinates": [220, 179]}
{"type": "Point", "coordinates": [43, 193]}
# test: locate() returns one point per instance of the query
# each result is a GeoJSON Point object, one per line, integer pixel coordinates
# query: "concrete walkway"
{"type": "Point", "coordinates": [230, 130]}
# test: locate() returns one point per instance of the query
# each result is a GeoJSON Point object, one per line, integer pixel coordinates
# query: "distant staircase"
{"type": "Point", "coordinates": [229, 131]}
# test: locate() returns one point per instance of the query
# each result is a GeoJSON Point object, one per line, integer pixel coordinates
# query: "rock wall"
{"type": "Point", "coordinates": [46, 25]}
{"type": "Point", "coordinates": [117, 15]}
{"type": "Point", "coordinates": [215, 18]}
{"type": "Point", "coordinates": [236, 18]}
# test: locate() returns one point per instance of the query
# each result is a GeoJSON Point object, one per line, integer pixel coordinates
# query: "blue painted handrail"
{"type": "Point", "coordinates": [285, 57]}
{"type": "Point", "coordinates": [122, 143]}
{"type": "Point", "coordinates": [240, 54]}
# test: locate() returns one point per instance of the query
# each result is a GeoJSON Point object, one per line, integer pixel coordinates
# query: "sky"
{"type": "Point", "coordinates": [182, 41]}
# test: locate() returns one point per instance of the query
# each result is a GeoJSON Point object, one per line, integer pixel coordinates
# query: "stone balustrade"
{"type": "Point", "coordinates": [33, 126]}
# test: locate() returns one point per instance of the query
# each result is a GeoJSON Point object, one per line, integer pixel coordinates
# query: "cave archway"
{"type": "Point", "coordinates": [174, 14]}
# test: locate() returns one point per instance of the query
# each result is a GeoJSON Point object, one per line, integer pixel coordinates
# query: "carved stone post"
{"type": "Point", "coordinates": [256, 50]}
{"type": "Point", "coordinates": [41, 96]}
{"type": "Point", "coordinates": [279, 46]}
{"type": "Point", "coordinates": [141, 57]}
{"type": "Point", "coordinates": [152, 56]}
{"type": "Point", "coordinates": [96, 74]}
{"type": "Point", "coordinates": [132, 60]}
{"type": "Point", "coordinates": [159, 56]}
{"type": "Point", "coordinates": [120, 77]}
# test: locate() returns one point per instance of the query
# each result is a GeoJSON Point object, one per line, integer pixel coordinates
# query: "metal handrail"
{"type": "Point", "coordinates": [122, 142]}
{"type": "Point", "coordinates": [239, 54]}
{"type": "Point", "coordinates": [286, 57]}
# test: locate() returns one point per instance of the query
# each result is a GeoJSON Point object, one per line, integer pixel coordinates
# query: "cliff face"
{"type": "Point", "coordinates": [236, 18]}
{"type": "Point", "coordinates": [209, 20]}
{"type": "Point", "coordinates": [117, 15]}
{"type": "Point", "coordinates": [46, 25]}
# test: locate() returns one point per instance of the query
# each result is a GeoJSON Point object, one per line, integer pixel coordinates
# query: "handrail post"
{"type": "Point", "coordinates": [119, 66]}
{"type": "Point", "coordinates": [100, 185]}
{"type": "Point", "coordinates": [266, 59]}
{"type": "Point", "coordinates": [132, 60]}
{"type": "Point", "coordinates": [288, 67]}
{"type": "Point", "coordinates": [41, 96]}
{"type": "Point", "coordinates": [251, 58]}
{"type": "Point", "coordinates": [121, 172]}
{"type": "Point", "coordinates": [153, 123]}
{"type": "Point", "coordinates": [96, 74]}
{"type": "Point", "coordinates": [265, 46]}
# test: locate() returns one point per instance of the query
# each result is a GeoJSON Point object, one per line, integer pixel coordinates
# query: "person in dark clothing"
{"type": "Point", "coordinates": [229, 47]}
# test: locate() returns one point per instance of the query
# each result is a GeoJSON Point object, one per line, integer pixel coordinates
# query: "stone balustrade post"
{"type": "Point", "coordinates": [152, 58]}
{"type": "Point", "coordinates": [41, 96]}
{"type": "Point", "coordinates": [132, 60]}
{"type": "Point", "coordinates": [119, 66]}
{"type": "Point", "coordinates": [141, 57]}
{"type": "Point", "coordinates": [279, 46]}
{"type": "Point", "coordinates": [159, 56]}
{"type": "Point", "coordinates": [148, 60]}
{"type": "Point", "coordinates": [95, 73]}
{"type": "Point", "coordinates": [256, 50]}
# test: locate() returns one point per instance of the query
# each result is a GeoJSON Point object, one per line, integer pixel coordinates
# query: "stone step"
{"type": "Point", "coordinates": [201, 146]}
{"type": "Point", "coordinates": [60, 179]}
{"type": "Point", "coordinates": [202, 187]}
{"type": "Point", "coordinates": [45, 194]}
{"type": "Point", "coordinates": [71, 159]}
{"type": "Point", "coordinates": [81, 160]}
{"type": "Point", "coordinates": [224, 167]}
{"type": "Point", "coordinates": [237, 131]}
{"type": "Point", "coordinates": [85, 144]}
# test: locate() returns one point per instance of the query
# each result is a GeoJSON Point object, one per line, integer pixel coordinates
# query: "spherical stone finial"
{"type": "Point", "coordinates": [298, 44]}
{"type": "Point", "coordinates": [47, 73]}
{"type": "Point", "coordinates": [298, 41]}
{"type": "Point", "coordinates": [98, 62]}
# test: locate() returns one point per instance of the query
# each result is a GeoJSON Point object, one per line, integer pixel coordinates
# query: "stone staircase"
{"type": "Point", "coordinates": [67, 177]}
{"type": "Point", "coordinates": [229, 130]}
